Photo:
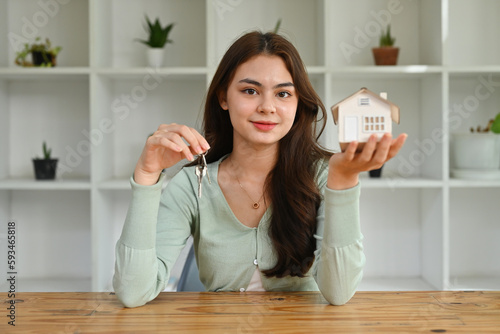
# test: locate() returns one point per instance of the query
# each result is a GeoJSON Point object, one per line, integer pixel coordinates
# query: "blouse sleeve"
{"type": "Point", "coordinates": [339, 262]}
{"type": "Point", "coordinates": [141, 270]}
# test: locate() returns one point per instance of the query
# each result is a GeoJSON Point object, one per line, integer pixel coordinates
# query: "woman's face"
{"type": "Point", "coordinates": [261, 101]}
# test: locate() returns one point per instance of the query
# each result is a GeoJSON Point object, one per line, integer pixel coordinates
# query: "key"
{"type": "Point", "coordinates": [200, 171]}
{"type": "Point", "coordinates": [205, 166]}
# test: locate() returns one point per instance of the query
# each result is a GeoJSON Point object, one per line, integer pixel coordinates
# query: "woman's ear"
{"type": "Point", "coordinates": [222, 100]}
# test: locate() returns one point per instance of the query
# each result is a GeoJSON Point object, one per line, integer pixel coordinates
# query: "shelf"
{"type": "Point", "coordinates": [457, 183]}
{"type": "Point", "coordinates": [50, 284]}
{"type": "Point", "coordinates": [473, 100]}
{"type": "Point", "coordinates": [473, 233]}
{"type": "Point", "coordinates": [406, 71]}
{"type": "Point", "coordinates": [423, 229]}
{"type": "Point", "coordinates": [170, 72]}
{"type": "Point", "coordinates": [463, 71]}
{"type": "Point", "coordinates": [417, 26]}
{"type": "Point", "coordinates": [4, 29]}
{"type": "Point", "coordinates": [65, 22]}
{"type": "Point", "coordinates": [139, 114]}
{"type": "Point", "coordinates": [474, 283]}
{"type": "Point", "coordinates": [402, 240]}
{"type": "Point", "coordinates": [40, 73]}
{"type": "Point", "coordinates": [385, 182]}
{"type": "Point", "coordinates": [32, 184]}
{"type": "Point", "coordinates": [124, 182]}
{"type": "Point", "coordinates": [57, 113]}
{"type": "Point", "coordinates": [464, 46]}
{"type": "Point", "coordinates": [118, 23]}
{"type": "Point", "coordinates": [75, 73]}
{"type": "Point", "coordinates": [395, 284]}
{"type": "Point", "coordinates": [396, 181]}
{"type": "Point", "coordinates": [52, 234]}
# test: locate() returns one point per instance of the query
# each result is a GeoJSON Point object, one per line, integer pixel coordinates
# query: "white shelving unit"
{"type": "Point", "coordinates": [423, 229]}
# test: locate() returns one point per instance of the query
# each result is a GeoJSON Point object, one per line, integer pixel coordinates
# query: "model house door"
{"type": "Point", "coordinates": [350, 128]}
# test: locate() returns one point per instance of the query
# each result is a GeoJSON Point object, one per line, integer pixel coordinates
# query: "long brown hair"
{"type": "Point", "coordinates": [291, 184]}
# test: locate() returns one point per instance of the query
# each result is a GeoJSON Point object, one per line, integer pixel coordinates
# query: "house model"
{"type": "Point", "coordinates": [362, 114]}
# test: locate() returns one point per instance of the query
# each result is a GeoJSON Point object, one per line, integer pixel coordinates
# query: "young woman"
{"type": "Point", "coordinates": [280, 214]}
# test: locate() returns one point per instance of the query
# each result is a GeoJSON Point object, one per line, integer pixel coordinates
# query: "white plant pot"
{"type": "Point", "coordinates": [476, 151]}
{"type": "Point", "coordinates": [155, 57]}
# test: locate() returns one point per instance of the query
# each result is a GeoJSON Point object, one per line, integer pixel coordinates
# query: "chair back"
{"type": "Point", "coordinates": [190, 278]}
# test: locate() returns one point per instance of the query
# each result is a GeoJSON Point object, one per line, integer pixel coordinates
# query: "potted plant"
{"type": "Point", "coordinates": [45, 168]}
{"type": "Point", "coordinates": [477, 154]}
{"type": "Point", "coordinates": [42, 54]}
{"type": "Point", "coordinates": [158, 38]}
{"type": "Point", "coordinates": [277, 26]}
{"type": "Point", "coordinates": [376, 172]}
{"type": "Point", "coordinates": [386, 53]}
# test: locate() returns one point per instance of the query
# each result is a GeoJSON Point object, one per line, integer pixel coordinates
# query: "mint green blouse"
{"type": "Point", "coordinates": [158, 224]}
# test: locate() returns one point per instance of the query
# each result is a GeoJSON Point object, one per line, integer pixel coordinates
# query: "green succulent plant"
{"type": "Point", "coordinates": [277, 26]}
{"type": "Point", "coordinates": [158, 36]}
{"type": "Point", "coordinates": [386, 40]}
{"type": "Point", "coordinates": [47, 152]}
{"type": "Point", "coordinates": [493, 126]}
{"type": "Point", "coordinates": [42, 53]}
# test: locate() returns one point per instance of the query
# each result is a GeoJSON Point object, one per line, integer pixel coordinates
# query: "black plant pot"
{"type": "Point", "coordinates": [376, 172]}
{"type": "Point", "coordinates": [45, 169]}
{"type": "Point", "coordinates": [43, 58]}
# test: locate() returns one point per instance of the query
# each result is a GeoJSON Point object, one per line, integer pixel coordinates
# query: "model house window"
{"type": "Point", "coordinates": [373, 123]}
{"type": "Point", "coordinates": [364, 101]}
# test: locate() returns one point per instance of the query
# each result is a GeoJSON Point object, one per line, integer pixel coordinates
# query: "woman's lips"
{"type": "Point", "coordinates": [264, 126]}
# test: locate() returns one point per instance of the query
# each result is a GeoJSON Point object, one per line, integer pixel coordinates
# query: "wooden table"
{"type": "Point", "coordinates": [256, 312]}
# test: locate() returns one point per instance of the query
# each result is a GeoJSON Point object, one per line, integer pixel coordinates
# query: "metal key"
{"type": "Point", "coordinates": [201, 171]}
{"type": "Point", "coordinates": [204, 161]}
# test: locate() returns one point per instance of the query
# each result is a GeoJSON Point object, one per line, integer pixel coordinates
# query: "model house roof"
{"type": "Point", "coordinates": [393, 108]}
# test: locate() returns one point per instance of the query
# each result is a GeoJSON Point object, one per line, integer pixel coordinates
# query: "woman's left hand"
{"type": "Point", "coordinates": [344, 167]}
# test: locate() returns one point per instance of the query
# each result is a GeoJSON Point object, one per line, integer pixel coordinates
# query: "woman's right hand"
{"type": "Point", "coordinates": [165, 148]}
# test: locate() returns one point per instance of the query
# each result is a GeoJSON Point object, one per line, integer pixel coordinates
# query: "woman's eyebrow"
{"type": "Point", "coordinates": [284, 84]}
{"type": "Point", "coordinates": [258, 84]}
{"type": "Point", "coordinates": [250, 81]}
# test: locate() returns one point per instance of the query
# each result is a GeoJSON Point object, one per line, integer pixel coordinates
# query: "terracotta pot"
{"type": "Point", "coordinates": [385, 55]}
